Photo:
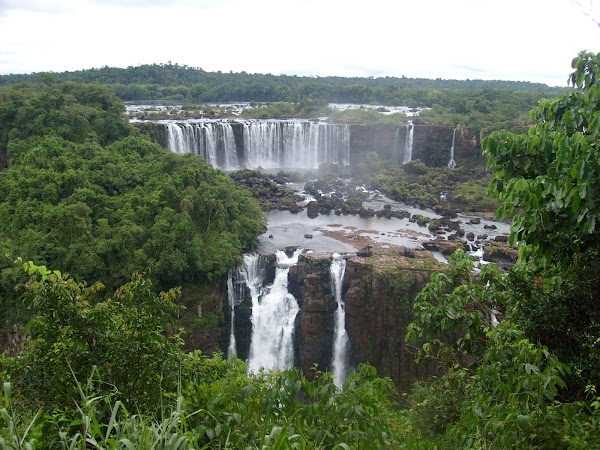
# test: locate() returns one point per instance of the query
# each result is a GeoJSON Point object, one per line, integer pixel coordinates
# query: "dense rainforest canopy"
{"type": "Point", "coordinates": [85, 194]}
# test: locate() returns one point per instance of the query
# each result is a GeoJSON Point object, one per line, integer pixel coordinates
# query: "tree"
{"type": "Point", "coordinates": [549, 182]}
{"type": "Point", "coordinates": [549, 179]}
{"type": "Point", "coordinates": [118, 344]}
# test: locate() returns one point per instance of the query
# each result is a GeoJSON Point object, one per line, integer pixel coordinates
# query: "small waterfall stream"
{"type": "Point", "coordinates": [231, 297]}
{"type": "Point", "coordinates": [273, 316]}
{"type": "Point", "coordinates": [251, 275]}
{"type": "Point", "coordinates": [408, 142]}
{"type": "Point", "coordinates": [452, 163]}
{"type": "Point", "coordinates": [340, 337]}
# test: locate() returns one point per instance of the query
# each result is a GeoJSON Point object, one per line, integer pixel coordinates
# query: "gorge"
{"type": "Point", "coordinates": [331, 290]}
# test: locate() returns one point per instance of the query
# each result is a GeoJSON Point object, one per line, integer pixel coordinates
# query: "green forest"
{"type": "Point", "coordinates": [104, 235]}
{"type": "Point", "coordinates": [479, 104]}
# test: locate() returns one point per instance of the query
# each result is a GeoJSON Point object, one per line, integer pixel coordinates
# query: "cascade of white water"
{"type": "Point", "coordinates": [250, 275]}
{"type": "Point", "coordinates": [231, 350]}
{"type": "Point", "coordinates": [408, 142]}
{"type": "Point", "coordinates": [273, 316]}
{"type": "Point", "coordinates": [175, 139]}
{"type": "Point", "coordinates": [340, 337]}
{"type": "Point", "coordinates": [210, 144]}
{"type": "Point", "coordinates": [452, 163]}
{"type": "Point", "coordinates": [231, 159]}
{"type": "Point", "coordinates": [297, 144]}
{"type": "Point", "coordinates": [269, 144]}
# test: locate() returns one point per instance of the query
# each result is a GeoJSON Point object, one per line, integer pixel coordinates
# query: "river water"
{"type": "Point", "coordinates": [350, 233]}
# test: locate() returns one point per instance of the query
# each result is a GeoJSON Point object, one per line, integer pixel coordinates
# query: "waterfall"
{"type": "Point", "coordinates": [209, 148]}
{"type": "Point", "coordinates": [231, 350]}
{"type": "Point", "coordinates": [273, 317]}
{"type": "Point", "coordinates": [452, 163]}
{"type": "Point", "coordinates": [270, 144]}
{"type": "Point", "coordinates": [340, 337]}
{"type": "Point", "coordinates": [295, 144]}
{"type": "Point", "coordinates": [175, 140]}
{"type": "Point", "coordinates": [251, 275]}
{"type": "Point", "coordinates": [229, 146]}
{"type": "Point", "coordinates": [408, 141]}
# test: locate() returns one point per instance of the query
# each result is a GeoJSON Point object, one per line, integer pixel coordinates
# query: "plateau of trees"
{"type": "Point", "coordinates": [479, 104]}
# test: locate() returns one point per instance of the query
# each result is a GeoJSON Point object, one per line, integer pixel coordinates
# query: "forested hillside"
{"type": "Point", "coordinates": [84, 193]}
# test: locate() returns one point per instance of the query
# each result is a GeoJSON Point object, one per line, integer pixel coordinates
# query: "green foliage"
{"type": "Point", "coordinates": [74, 112]}
{"type": "Point", "coordinates": [475, 193]}
{"type": "Point", "coordinates": [531, 381]}
{"type": "Point", "coordinates": [557, 307]}
{"type": "Point", "coordinates": [246, 408]}
{"type": "Point", "coordinates": [117, 344]}
{"type": "Point", "coordinates": [548, 179]}
{"type": "Point", "coordinates": [280, 110]}
{"type": "Point", "coordinates": [366, 117]}
{"type": "Point", "coordinates": [478, 104]}
{"type": "Point", "coordinates": [103, 211]}
{"type": "Point", "coordinates": [499, 389]}
{"type": "Point", "coordinates": [458, 302]}
{"type": "Point", "coordinates": [89, 362]}
{"type": "Point", "coordinates": [416, 184]}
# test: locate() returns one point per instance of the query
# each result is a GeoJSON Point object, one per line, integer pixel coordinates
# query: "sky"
{"type": "Point", "coordinates": [521, 40]}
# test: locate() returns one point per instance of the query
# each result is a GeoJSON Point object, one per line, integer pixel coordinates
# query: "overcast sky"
{"type": "Point", "coordinates": [527, 40]}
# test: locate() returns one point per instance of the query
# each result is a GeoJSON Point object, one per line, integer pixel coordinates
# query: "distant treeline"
{"type": "Point", "coordinates": [182, 82]}
{"type": "Point", "coordinates": [481, 105]}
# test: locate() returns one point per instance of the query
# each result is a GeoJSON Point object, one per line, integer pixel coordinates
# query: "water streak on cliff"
{"type": "Point", "coordinates": [251, 275]}
{"type": "Point", "coordinates": [231, 297]}
{"type": "Point", "coordinates": [340, 337]}
{"type": "Point", "coordinates": [408, 141]}
{"type": "Point", "coordinates": [452, 163]}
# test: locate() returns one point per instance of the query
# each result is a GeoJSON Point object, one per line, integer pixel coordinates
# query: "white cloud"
{"type": "Point", "coordinates": [532, 40]}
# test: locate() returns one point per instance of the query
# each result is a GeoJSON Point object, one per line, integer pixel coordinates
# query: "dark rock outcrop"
{"type": "Point", "coordinates": [445, 246]}
{"type": "Point", "coordinates": [500, 253]}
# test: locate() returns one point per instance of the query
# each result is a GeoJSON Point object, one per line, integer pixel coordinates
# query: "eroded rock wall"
{"type": "Point", "coordinates": [379, 292]}
{"type": "Point", "coordinates": [379, 304]}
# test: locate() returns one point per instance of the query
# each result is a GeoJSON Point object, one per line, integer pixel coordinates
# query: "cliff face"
{"type": "Point", "coordinates": [379, 292]}
{"type": "Point", "coordinates": [379, 303]}
{"type": "Point", "coordinates": [309, 282]}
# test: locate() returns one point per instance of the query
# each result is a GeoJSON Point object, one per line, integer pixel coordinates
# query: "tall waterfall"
{"type": "Point", "coordinates": [452, 163]}
{"type": "Point", "coordinates": [231, 297]}
{"type": "Point", "coordinates": [251, 275]}
{"type": "Point", "coordinates": [408, 141]}
{"type": "Point", "coordinates": [231, 158]}
{"type": "Point", "coordinates": [340, 337]}
{"type": "Point", "coordinates": [214, 141]}
{"type": "Point", "coordinates": [273, 316]}
{"type": "Point", "coordinates": [266, 143]}
{"type": "Point", "coordinates": [299, 144]}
